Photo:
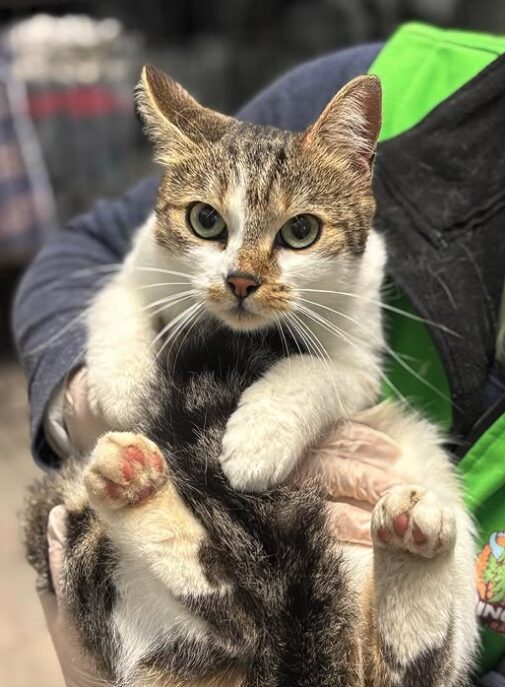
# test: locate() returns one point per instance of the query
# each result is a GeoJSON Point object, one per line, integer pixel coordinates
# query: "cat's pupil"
{"type": "Point", "coordinates": [300, 227]}
{"type": "Point", "coordinates": [207, 217]}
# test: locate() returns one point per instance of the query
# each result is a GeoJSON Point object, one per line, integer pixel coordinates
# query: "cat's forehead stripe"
{"type": "Point", "coordinates": [250, 203]}
{"type": "Point", "coordinates": [236, 200]}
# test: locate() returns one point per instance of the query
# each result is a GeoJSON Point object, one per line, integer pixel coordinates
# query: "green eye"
{"type": "Point", "coordinates": [206, 221]}
{"type": "Point", "coordinates": [299, 232]}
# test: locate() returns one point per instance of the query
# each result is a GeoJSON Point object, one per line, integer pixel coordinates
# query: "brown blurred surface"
{"type": "Point", "coordinates": [26, 654]}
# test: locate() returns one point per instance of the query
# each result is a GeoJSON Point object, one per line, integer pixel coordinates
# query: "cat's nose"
{"type": "Point", "coordinates": [242, 284]}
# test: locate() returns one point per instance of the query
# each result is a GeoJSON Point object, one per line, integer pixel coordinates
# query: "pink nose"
{"type": "Point", "coordinates": [242, 284]}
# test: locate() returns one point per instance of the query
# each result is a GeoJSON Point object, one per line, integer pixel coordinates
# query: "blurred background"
{"type": "Point", "coordinates": [68, 135]}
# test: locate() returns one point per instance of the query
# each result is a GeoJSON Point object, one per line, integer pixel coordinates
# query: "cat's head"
{"type": "Point", "coordinates": [256, 213]}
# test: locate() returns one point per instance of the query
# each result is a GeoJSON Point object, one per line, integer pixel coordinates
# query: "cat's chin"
{"type": "Point", "coordinates": [241, 320]}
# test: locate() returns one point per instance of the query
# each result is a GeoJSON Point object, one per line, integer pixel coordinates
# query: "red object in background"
{"type": "Point", "coordinates": [78, 101]}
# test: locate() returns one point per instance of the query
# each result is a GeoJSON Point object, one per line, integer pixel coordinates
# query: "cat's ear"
{"type": "Point", "coordinates": [351, 122]}
{"type": "Point", "coordinates": [174, 121]}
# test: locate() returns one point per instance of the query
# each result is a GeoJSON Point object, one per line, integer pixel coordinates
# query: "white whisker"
{"type": "Point", "coordinates": [323, 356]}
{"type": "Point", "coordinates": [166, 306]}
{"type": "Point", "coordinates": [169, 326]}
{"type": "Point", "coordinates": [165, 283]}
{"type": "Point", "coordinates": [385, 306]}
{"type": "Point", "coordinates": [178, 325]}
{"type": "Point", "coordinates": [144, 268]}
{"type": "Point", "coordinates": [191, 321]}
{"type": "Point", "coordinates": [103, 270]}
{"type": "Point", "coordinates": [168, 299]}
{"type": "Point", "coordinates": [282, 336]}
{"type": "Point", "coordinates": [97, 269]}
{"type": "Point", "coordinates": [388, 348]}
{"type": "Point", "coordinates": [340, 333]}
{"type": "Point", "coordinates": [307, 337]}
{"type": "Point", "coordinates": [288, 322]}
{"type": "Point", "coordinates": [321, 353]}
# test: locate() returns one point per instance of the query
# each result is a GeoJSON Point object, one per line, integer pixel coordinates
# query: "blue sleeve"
{"type": "Point", "coordinates": [55, 290]}
{"type": "Point", "coordinates": [296, 99]}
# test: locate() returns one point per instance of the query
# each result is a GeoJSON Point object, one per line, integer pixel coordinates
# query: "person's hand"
{"type": "Point", "coordinates": [355, 465]}
{"type": "Point", "coordinates": [83, 426]}
{"type": "Point", "coordinates": [77, 668]}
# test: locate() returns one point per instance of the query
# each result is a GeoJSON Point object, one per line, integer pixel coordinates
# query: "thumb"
{"type": "Point", "coordinates": [56, 547]}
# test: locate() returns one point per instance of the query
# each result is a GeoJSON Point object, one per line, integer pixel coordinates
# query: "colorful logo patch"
{"type": "Point", "coordinates": [491, 583]}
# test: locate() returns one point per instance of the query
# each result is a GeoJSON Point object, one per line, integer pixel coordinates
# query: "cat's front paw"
{"type": "Point", "coordinates": [125, 469]}
{"type": "Point", "coordinates": [116, 399]}
{"type": "Point", "coordinates": [411, 518]}
{"type": "Point", "coordinates": [260, 448]}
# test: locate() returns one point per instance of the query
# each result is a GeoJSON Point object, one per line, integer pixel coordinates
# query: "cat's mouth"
{"type": "Point", "coordinates": [240, 316]}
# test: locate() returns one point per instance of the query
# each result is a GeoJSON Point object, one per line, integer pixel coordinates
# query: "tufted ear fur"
{"type": "Point", "coordinates": [174, 121]}
{"type": "Point", "coordinates": [351, 122]}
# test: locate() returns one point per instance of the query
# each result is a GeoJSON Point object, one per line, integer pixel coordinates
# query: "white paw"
{"type": "Point", "coordinates": [125, 469]}
{"type": "Point", "coordinates": [117, 399]}
{"type": "Point", "coordinates": [260, 448]}
{"type": "Point", "coordinates": [411, 518]}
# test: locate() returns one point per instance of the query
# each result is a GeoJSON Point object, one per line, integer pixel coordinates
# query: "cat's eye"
{"type": "Point", "coordinates": [299, 232]}
{"type": "Point", "coordinates": [206, 222]}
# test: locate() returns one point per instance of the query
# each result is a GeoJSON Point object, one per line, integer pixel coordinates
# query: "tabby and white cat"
{"type": "Point", "coordinates": [243, 324]}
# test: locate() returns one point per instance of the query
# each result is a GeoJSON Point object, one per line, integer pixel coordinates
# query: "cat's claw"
{"type": "Point", "coordinates": [125, 469]}
{"type": "Point", "coordinates": [411, 518]}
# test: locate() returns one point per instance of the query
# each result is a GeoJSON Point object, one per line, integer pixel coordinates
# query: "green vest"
{"type": "Point", "coordinates": [420, 67]}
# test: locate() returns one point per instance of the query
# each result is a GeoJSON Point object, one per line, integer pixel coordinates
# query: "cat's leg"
{"type": "Point", "coordinates": [123, 322]}
{"type": "Point", "coordinates": [286, 411]}
{"type": "Point", "coordinates": [300, 398]}
{"type": "Point", "coordinates": [168, 590]}
{"type": "Point", "coordinates": [423, 461]}
{"type": "Point", "coordinates": [119, 355]}
{"type": "Point", "coordinates": [129, 486]}
{"type": "Point", "coordinates": [416, 616]}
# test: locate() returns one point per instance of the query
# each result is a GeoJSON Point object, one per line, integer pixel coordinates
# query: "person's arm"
{"type": "Point", "coordinates": [55, 291]}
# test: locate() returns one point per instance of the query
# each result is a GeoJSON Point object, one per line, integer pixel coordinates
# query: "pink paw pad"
{"type": "Point", "coordinates": [157, 462]}
{"type": "Point", "coordinates": [413, 519]}
{"type": "Point", "coordinates": [401, 524]}
{"type": "Point", "coordinates": [135, 455]}
{"type": "Point", "coordinates": [133, 461]}
{"type": "Point", "coordinates": [418, 535]}
{"type": "Point", "coordinates": [127, 470]}
{"type": "Point", "coordinates": [384, 535]}
{"type": "Point", "coordinates": [126, 473]}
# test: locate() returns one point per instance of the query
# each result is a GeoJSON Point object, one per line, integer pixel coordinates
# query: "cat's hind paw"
{"type": "Point", "coordinates": [411, 518]}
{"type": "Point", "coordinates": [125, 469]}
